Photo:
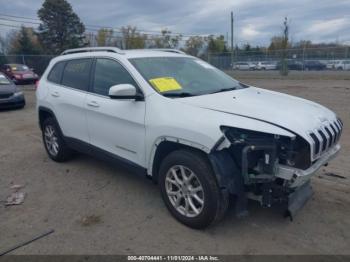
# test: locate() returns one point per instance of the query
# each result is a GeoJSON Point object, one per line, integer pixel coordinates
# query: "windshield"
{"type": "Point", "coordinates": [183, 76]}
{"type": "Point", "coordinates": [19, 68]}
{"type": "Point", "coordinates": [4, 80]}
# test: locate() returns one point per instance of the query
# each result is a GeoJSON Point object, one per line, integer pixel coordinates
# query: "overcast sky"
{"type": "Point", "coordinates": [256, 21]}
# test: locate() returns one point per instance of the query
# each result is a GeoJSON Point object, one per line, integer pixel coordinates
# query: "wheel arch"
{"type": "Point", "coordinates": [224, 167]}
{"type": "Point", "coordinates": [164, 146]}
{"type": "Point", "coordinates": [45, 113]}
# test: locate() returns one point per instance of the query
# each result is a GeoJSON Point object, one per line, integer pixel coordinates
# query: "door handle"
{"type": "Point", "coordinates": [93, 104]}
{"type": "Point", "coordinates": [55, 94]}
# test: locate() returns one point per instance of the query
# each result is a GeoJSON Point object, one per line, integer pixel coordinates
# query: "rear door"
{"type": "Point", "coordinates": [69, 82]}
{"type": "Point", "coordinates": [116, 126]}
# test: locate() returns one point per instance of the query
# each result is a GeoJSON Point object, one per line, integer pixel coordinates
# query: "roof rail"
{"type": "Point", "coordinates": [169, 50]}
{"type": "Point", "coordinates": [93, 49]}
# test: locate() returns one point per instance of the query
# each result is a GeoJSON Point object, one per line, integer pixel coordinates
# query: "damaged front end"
{"type": "Point", "coordinates": [264, 167]}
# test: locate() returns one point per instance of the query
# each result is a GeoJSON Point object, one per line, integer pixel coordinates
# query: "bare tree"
{"type": "Point", "coordinates": [132, 39]}
{"type": "Point", "coordinates": [165, 40]}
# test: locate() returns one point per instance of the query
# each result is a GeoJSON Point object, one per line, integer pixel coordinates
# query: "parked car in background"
{"type": "Point", "coordinates": [292, 65]}
{"type": "Point", "coordinates": [266, 66]}
{"type": "Point", "coordinates": [244, 66]}
{"type": "Point", "coordinates": [10, 95]}
{"type": "Point", "coordinates": [19, 74]}
{"type": "Point", "coordinates": [331, 64]}
{"type": "Point", "coordinates": [314, 65]}
{"type": "Point", "coordinates": [343, 65]}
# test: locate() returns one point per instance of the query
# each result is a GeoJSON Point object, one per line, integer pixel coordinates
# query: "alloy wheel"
{"type": "Point", "coordinates": [184, 191]}
{"type": "Point", "coordinates": [51, 140]}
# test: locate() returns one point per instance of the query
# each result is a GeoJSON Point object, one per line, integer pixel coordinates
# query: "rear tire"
{"type": "Point", "coordinates": [54, 143]}
{"type": "Point", "coordinates": [196, 202]}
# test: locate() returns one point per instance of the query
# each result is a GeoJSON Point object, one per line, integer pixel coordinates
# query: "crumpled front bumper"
{"type": "Point", "coordinates": [297, 199]}
{"type": "Point", "coordinates": [298, 177]}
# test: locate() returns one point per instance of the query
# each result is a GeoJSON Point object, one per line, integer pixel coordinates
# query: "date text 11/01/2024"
{"type": "Point", "coordinates": [173, 258]}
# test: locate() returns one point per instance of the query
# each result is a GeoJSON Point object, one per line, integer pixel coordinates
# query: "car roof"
{"type": "Point", "coordinates": [138, 53]}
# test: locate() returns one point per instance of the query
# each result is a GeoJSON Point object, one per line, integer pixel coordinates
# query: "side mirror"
{"type": "Point", "coordinates": [124, 91]}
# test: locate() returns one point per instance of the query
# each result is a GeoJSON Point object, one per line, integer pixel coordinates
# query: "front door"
{"type": "Point", "coordinates": [116, 126]}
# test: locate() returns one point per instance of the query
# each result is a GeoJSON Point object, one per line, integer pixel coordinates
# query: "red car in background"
{"type": "Point", "coordinates": [19, 74]}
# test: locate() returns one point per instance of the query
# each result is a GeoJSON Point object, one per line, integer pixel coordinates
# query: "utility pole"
{"type": "Point", "coordinates": [231, 40]}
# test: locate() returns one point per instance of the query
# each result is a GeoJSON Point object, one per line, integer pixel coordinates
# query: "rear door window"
{"type": "Point", "coordinates": [55, 75]}
{"type": "Point", "coordinates": [76, 73]}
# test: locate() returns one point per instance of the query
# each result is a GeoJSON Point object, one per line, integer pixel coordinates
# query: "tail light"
{"type": "Point", "coordinates": [36, 84]}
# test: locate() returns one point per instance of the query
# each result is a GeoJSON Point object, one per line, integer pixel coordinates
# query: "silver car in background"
{"type": "Point", "coordinates": [266, 65]}
{"type": "Point", "coordinates": [244, 66]}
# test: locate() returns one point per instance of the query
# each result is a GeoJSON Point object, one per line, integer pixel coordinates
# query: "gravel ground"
{"type": "Point", "coordinates": [97, 208]}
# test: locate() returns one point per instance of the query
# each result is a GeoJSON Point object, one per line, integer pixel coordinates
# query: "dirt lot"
{"type": "Point", "coordinates": [96, 208]}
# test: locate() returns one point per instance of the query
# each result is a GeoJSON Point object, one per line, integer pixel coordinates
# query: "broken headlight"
{"type": "Point", "coordinates": [265, 150]}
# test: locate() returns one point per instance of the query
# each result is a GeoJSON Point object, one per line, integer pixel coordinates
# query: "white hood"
{"type": "Point", "coordinates": [295, 114]}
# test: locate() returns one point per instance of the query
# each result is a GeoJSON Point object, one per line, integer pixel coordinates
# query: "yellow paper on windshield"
{"type": "Point", "coordinates": [164, 84]}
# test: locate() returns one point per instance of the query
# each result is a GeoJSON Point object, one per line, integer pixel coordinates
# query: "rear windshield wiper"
{"type": "Point", "coordinates": [182, 94]}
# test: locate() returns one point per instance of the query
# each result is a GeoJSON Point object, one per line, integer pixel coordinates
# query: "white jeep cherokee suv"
{"type": "Point", "coordinates": [201, 135]}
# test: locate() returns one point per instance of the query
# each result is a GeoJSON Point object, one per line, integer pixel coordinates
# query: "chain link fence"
{"type": "Point", "coordinates": [227, 61]}
{"type": "Point", "coordinates": [326, 56]}
{"type": "Point", "coordinates": [36, 62]}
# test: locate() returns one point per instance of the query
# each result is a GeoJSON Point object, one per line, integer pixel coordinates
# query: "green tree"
{"type": "Point", "coordinates": [25, 42]}
{"type": "Point", "coordinates": [133, 39]}
{"type": "Point", "coordinates": [105, 37]}
{"type": "Point", "coordinates": [276, 43]}
{"type": "Point", "coordinates": [247, 47]}
{"type": "Point", "coordinates": [3, 59]}
{"type": "Point", "coordinates": [217, 44]}
{"type": "Point", "coordinates": [61, 28]}
{"type": "Point", "coordinates": [2, 44]}
{"type": "Point", "coordinates": [194, 44]}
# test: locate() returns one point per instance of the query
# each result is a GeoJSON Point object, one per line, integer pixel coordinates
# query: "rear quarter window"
{"type": "Point", "coordinates": [55, 74]}
{"type": "Point", "coordinates": [76, 73]}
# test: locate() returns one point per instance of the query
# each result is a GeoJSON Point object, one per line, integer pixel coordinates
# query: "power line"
{"type": "Point", "coordinates": [95, 35]}
{"type": "Point", "coordinates": [97, 26]}
{"type": "Point", "coordinates": [87, 28]}
{"type": "Point", "coordinates": [22, 17]}
{"type": "Point", "coordinates": [27, 22]}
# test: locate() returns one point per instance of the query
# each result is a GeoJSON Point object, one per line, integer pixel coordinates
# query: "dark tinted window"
{"type": "Point", "coordinates": [55, 75]}
{"type": "Point", "coordinates": [109, 73]}
{"type": "Point", "coordinates": [76, 73]}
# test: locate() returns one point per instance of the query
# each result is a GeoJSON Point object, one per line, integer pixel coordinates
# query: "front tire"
{"type": "Point", "coordinates": [54, 143]}
{"type": "Point", "coordinates": [189, 189]}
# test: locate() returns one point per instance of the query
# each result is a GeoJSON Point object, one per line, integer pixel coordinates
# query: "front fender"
{"type": "Point", "coordinates": [177, 140]}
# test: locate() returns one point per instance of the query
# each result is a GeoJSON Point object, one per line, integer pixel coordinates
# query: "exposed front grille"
{"type": "Point", "coordinates": [325, 137]}
{"type": "Point", "coordinates": [4, 96]}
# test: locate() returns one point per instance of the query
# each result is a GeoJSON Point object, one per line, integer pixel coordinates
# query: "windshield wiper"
{"type": "Point", "coordinates": [224, 90]}
{"type": "Point", "coordinates": [182, 94]}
